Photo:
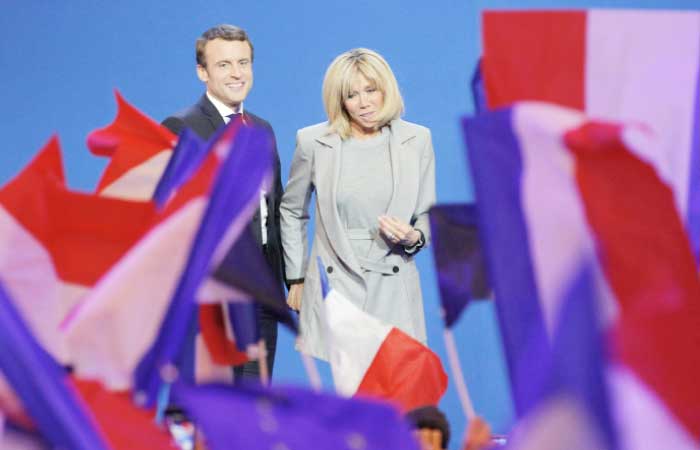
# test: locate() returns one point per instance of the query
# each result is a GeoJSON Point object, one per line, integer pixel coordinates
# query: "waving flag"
{"type": "Point", "coordinates": [569, 406]}
{"type": "Point", "coordinates": [555, 189]}
{"type": "Point", "coordinates": [624, 65]}
{"type": "Point", "coordinates": [233, 200]}
{"type": "Point", "coordinates": [251, 416]}
{"type": "Point", "coordinates": [650, 267]}
{"type": "Point", "coordinates": [138, 294]}
{"type": "Point", "coordinates": [42, 385]}
{"type": "Point", "coordinates": [139, 150]}
{"type": "Point", "coordinates": [371, 358]}
{"type": "Point", "coordinates": [56, 243]}
{"type": "Point", "coordinates": [461, 269]}
{"type": "Point", "coordinates": [86, 417]}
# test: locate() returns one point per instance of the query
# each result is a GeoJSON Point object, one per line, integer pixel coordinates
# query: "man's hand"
{"type": "Point", "coordinates": [294, 296]}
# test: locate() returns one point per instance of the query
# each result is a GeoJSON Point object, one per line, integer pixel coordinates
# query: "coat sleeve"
{"type": "Point", "coordinates": [426, 189]}
{"type": "Point", "coordinates": [294, 211]}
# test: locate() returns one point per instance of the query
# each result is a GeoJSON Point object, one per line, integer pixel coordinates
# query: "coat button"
{"type": "Point", "coordinates": [329, 269]}
{"type": "Point", "coordinates": [395, 269]}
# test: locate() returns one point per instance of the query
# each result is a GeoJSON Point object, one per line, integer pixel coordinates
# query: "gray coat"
{"type": "Point", "coordinates": [389, 272]}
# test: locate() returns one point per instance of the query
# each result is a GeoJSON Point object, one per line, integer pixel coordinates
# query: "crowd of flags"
{"type": "Point", "coordinates": [584, 153]}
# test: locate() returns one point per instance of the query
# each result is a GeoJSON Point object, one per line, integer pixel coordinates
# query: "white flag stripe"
{"type": "Point", "coordinates": [559, 238]}
{"type": "Point", "coordinates": [353, 338]}
{"type": "Point", "coordinates": [643, 420]}
{"type": "Point", "coordinates": [115, 325]}
{"type": "Point", "coordinates": [28, 273]}
{"type": "Point", "coordinates": [647, 74]}
{"type": "Point", "coordinates": [140, 182]}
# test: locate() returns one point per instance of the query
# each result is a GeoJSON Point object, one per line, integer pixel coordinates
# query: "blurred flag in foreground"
{"type": "Point", "coordinates": [555, 189]}
{"type": "Point", "coordinates": [251, 416]}
{"type": "Point", "coordinates": [56, 243]}
{"type": "Point", "coordinates": [138, 149]}
{"type": "Point", "coordinates": [639, 66]}
{"type": "Point", "coordinates": [569, 408]}
{"type": "Point", "coordinates": [371, 358]}
{"type": "Point", "coordinates": [149, 298]}
{"type": "Point", "coordinates": [68, 413]}
{"type": "Point", "coordinates": [459, 258]}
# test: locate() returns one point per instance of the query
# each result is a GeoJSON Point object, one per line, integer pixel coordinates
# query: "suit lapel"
{"type": "Point", "coordinates": [328, 169]}
{"type": "Point", "coordinates": [207, 108]}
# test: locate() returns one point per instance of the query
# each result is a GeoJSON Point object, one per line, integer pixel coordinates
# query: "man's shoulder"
{"type": "Point", "coordinates": [192, 111]}
{"type": "Point", "coordinates": [189, 117]}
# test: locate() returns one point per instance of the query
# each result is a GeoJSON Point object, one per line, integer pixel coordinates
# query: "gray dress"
{"type": "Point", "coordinates": [365, 188]}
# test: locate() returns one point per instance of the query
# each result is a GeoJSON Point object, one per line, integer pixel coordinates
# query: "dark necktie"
{"type": "Point", "coordinates": [234, 116]}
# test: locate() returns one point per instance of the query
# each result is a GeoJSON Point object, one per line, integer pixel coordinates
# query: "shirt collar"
{"type": "Point", "coordinates": [223, 109]}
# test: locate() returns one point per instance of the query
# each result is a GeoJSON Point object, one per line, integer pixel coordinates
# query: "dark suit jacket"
{"type": "Point", "coordinates": [205, 120]}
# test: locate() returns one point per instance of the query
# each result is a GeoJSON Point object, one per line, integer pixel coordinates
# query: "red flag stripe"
{"type": "Point", "coordinates": [130, 140]}
{"type": "Point", "coordinates": [405, 372]}
{"type": "Point", "coordinates": [646, 255]}
{"type": "Point", "coordinates": [517, 67]}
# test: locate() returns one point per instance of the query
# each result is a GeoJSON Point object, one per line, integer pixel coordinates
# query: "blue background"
{"type": "Point", "coordinates": [61, 62]}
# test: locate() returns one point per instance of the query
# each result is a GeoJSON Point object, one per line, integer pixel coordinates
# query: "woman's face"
{"type": "Point", "coordinates": [363, 104]}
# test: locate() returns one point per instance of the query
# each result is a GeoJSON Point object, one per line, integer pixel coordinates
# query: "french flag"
{"type": "Point", "coordinates": [145, 163]}
{"type": "Point", "coordinates": [371, 358]}
{"type": "Point", "coordinates": [625, 65]}
{"type": "Point", "coordinates": [555, 189]}
{"type": "Point", "coordinates": [138, 149]}
{"type": "Point", "coordinates": [155, 285]}
{"type": "Point", "coordinates": [56, 243]}
{"type": "Point", "coordinates": [569, 404]}
{"type": "Point", "coordinates": [65, 412]}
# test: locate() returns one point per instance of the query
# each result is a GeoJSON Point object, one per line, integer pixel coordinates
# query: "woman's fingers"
{"type": "Point", "coordinates": [397, 231]}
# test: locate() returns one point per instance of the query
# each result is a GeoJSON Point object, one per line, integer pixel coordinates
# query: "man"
{"type": "Point", "coordinates": [224, 56]}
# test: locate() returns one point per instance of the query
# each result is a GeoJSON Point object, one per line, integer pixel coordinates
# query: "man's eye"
{"type": "Point", "coordinates": [223, 65]}
{"type": "Point", "coordinates": [244, 62]}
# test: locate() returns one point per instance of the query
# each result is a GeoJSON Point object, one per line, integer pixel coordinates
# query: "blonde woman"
{"type": "Point", "coordinates": [374, 179]}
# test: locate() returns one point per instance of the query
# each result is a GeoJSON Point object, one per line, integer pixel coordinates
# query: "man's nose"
{"type": "Point", "coordinates": [235, 71]}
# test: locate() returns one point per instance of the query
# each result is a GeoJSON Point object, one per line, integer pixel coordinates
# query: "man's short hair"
{"type": "Point", "coordinates": [225, 32]}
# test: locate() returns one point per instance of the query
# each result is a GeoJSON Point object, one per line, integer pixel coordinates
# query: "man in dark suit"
{"type": "Point", "coordinates": [225, 64]}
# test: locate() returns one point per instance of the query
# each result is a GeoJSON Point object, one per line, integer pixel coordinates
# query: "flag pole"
{"type": "Point", "coordinates": [458, 376]}
{"type": "Point", "coordinates": [262, 363]}
{"type": "Point", "coordinates": [310, 367]}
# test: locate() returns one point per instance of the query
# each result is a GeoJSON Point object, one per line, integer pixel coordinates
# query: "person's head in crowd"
{"type": "Point", "coordinates": [224, 56]}
{"type": "Point", "coordinates": [431, 427]}
{"type": "Point", "coordinates": [360, 93]}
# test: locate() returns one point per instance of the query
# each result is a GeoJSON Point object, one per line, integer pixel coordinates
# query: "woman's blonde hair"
{"type": "Point", "coordinates": [341, 74]}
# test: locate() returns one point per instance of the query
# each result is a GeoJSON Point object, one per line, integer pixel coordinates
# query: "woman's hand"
{"type": "Point", "coordinates": [398, 232]}
{"type": "Point", "coordinates": [294, 296]}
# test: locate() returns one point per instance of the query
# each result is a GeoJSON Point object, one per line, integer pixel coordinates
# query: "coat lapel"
{"type": "Point", "coordinates": [328, 170]}
{"type": "Point", "coordinates": [401, 138]}
{"type": "Point", "coordinates": [212, 115]}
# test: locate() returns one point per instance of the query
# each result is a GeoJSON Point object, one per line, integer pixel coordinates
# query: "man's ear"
{"type": "Point", "coordinates": [202, 73]}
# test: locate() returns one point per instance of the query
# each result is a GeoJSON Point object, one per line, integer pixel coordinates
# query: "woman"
{"type": "Point", "coordinates": [374, 178]}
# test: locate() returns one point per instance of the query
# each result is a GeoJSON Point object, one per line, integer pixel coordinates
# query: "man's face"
{"type": "Point", "coordinates": [229, 70]}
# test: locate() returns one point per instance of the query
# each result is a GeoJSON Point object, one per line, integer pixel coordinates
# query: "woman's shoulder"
{"type": "Point", "coordinates": [404, 127]}
{"type": "Point", "coordinates": [314, 131]}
